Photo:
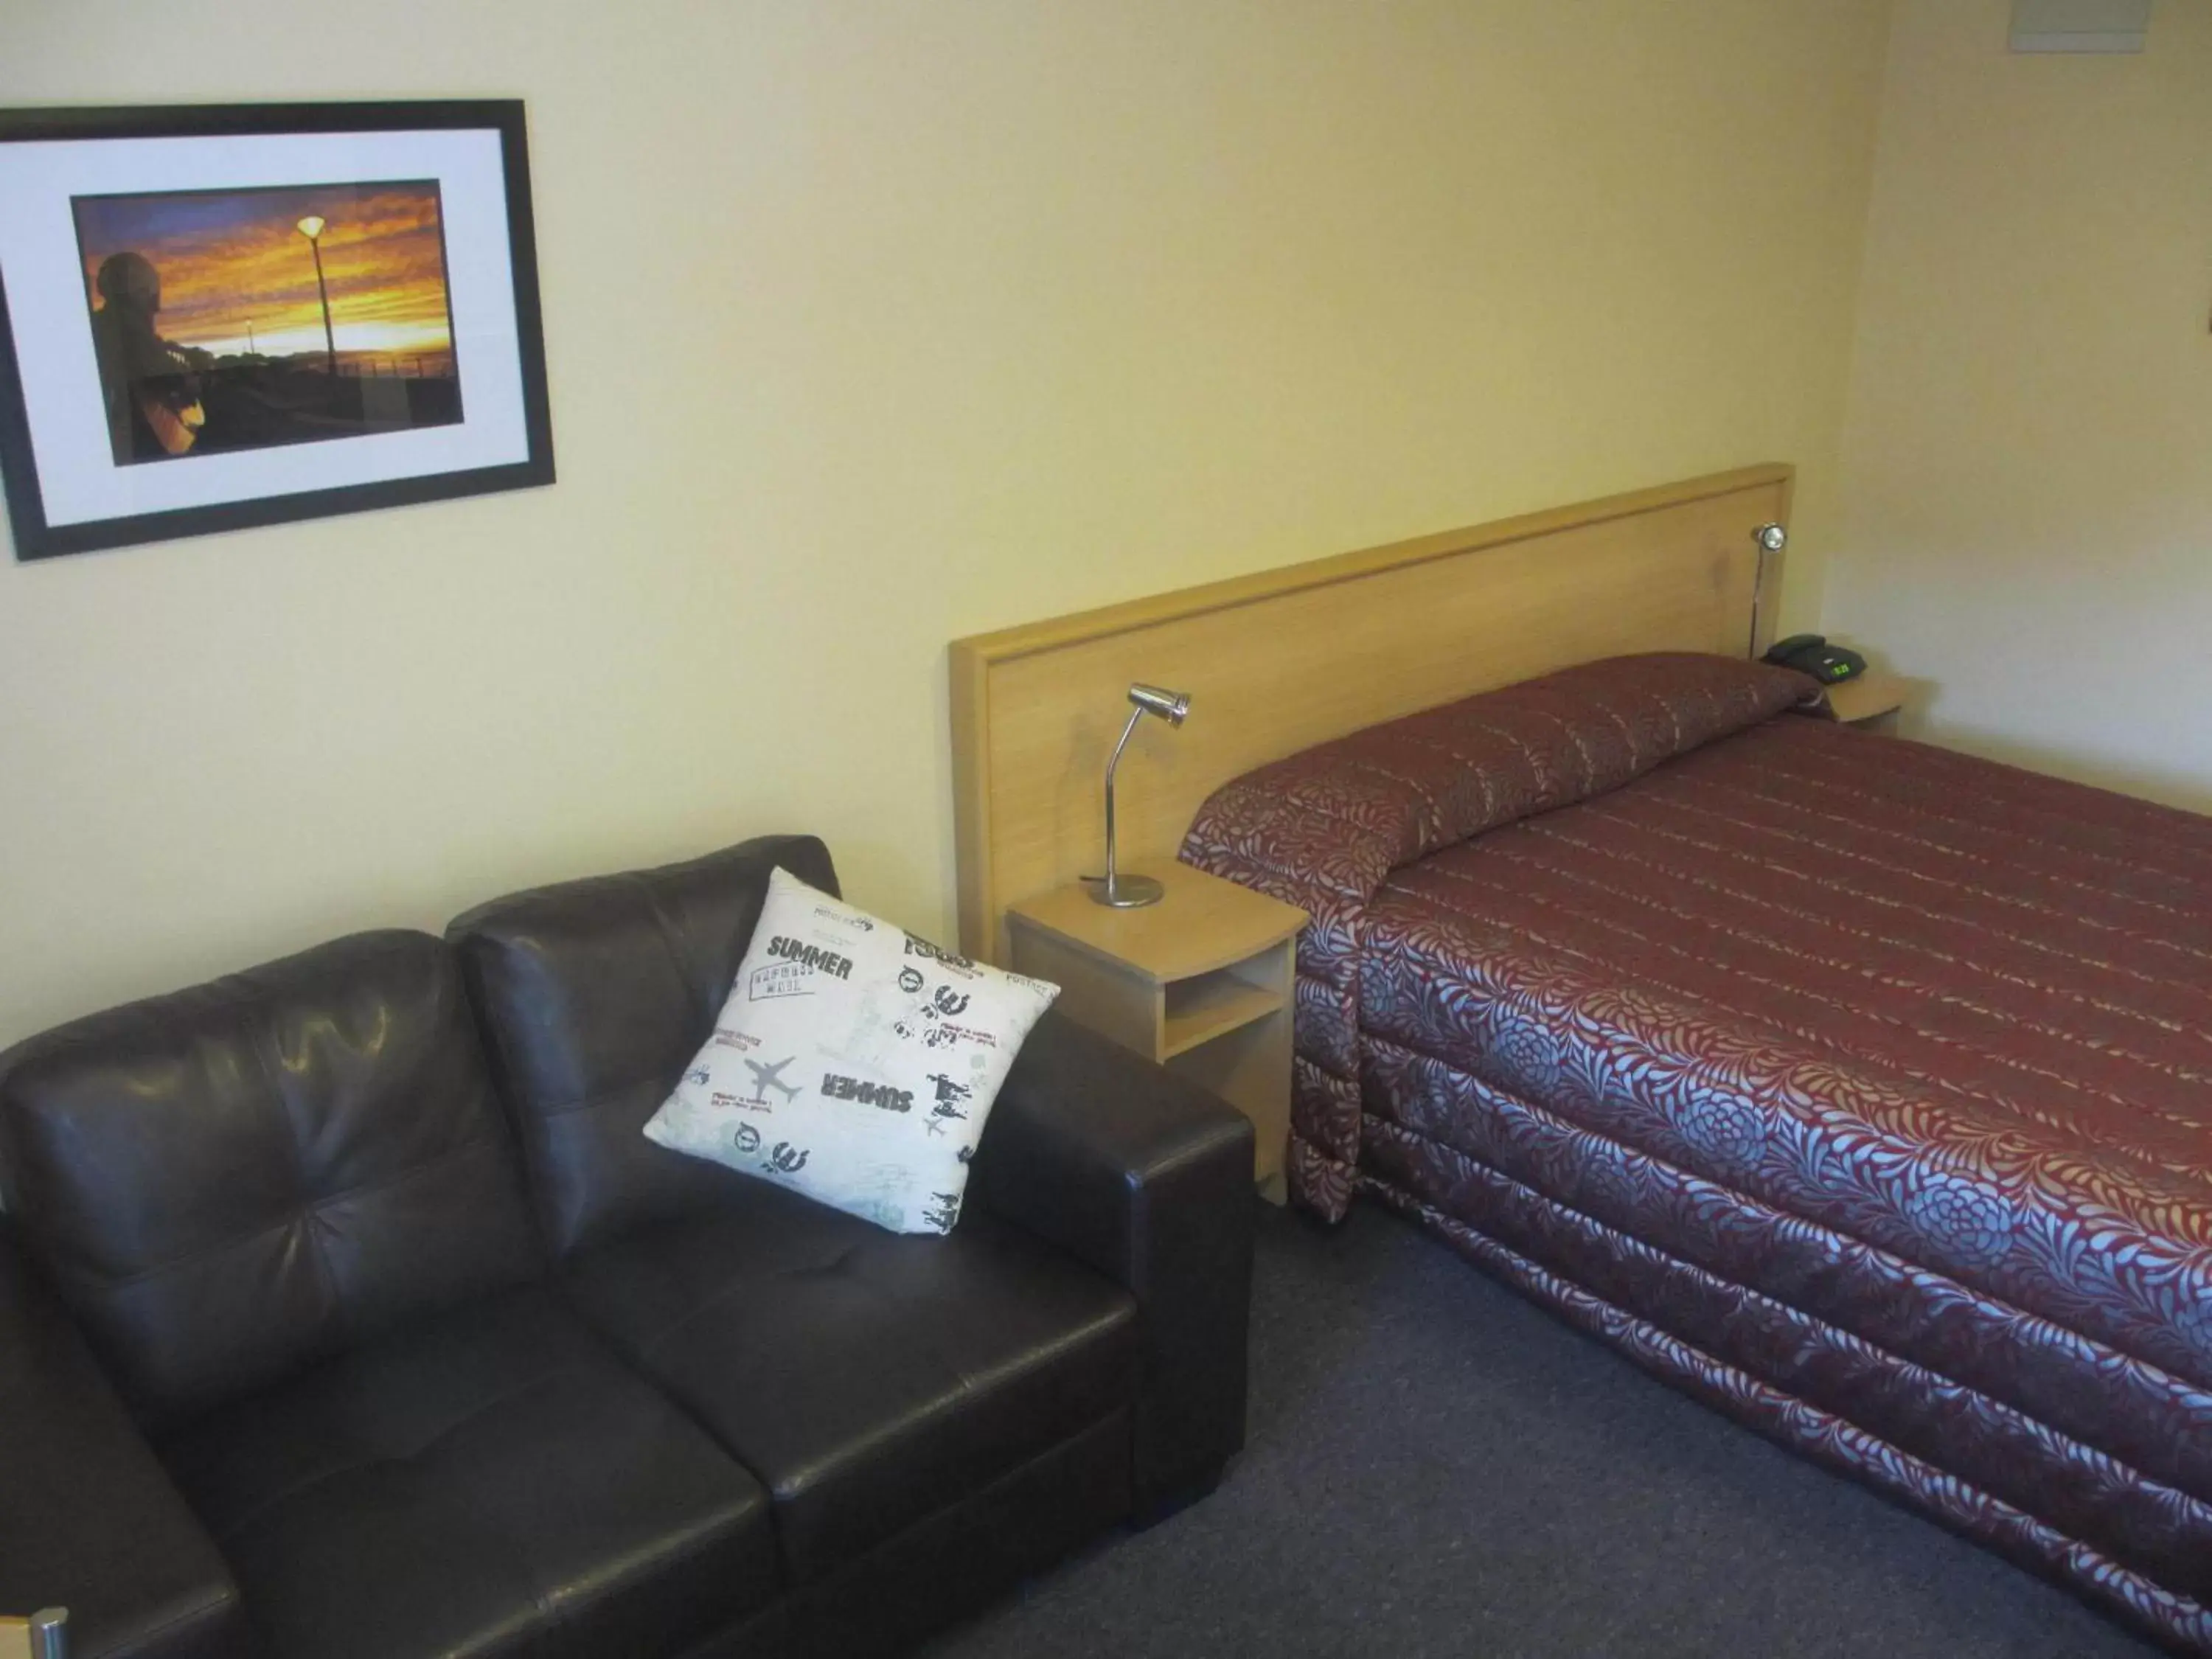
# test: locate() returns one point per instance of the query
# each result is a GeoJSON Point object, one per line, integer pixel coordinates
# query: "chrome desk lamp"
{"type": "Point", "coordinates": [1128, 892]}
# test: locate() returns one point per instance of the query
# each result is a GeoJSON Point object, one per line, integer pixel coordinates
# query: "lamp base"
{"type": "Point", "coordinates": [1124, 892]}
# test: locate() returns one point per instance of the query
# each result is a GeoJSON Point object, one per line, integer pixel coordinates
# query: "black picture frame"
{"type": "Point", "coordinates": [36, 538]}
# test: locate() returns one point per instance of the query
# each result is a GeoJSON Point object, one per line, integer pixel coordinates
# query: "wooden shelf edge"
{"type": "Point", "coordinates": [1868, 697]}
{"type": "Point", "coordinates": [1215, 1011]}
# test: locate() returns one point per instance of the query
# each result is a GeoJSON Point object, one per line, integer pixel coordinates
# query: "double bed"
{"type": "Point", "coordinates": [1859, 1088]}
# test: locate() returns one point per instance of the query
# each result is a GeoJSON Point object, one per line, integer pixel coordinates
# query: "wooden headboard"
{"type": "Point", "coordinates": [1280, 660]}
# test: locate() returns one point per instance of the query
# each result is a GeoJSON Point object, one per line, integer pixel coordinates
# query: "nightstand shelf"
{"type": "Point", "coordinates": [1213, 1004]}
{"type": "Point", "coordinates": [1202, 982]}
{"type": "Point", "coordinates": [1872, 702]}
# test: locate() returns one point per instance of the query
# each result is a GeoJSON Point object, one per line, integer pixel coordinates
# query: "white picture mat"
{"type": "Point", "coordinates": [51, 322]}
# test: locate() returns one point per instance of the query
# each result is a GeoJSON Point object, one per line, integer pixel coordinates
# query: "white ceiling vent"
{"type": "Point", "coordinates": [2080, 25]}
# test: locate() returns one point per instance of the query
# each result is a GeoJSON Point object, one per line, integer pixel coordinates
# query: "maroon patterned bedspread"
{"type": "Point", "coordinates": [1863, 1080]}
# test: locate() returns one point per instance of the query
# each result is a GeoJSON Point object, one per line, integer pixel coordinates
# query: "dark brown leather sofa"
{"type": "Point", "coordinates": [345, 1314]}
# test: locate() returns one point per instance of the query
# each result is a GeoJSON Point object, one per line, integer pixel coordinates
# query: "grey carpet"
{"type": "Point", "coordinates": [1435, 1467]}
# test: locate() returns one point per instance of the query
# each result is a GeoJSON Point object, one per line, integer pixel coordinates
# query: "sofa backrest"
{"type": "Point", "coordinates": [226, 1183]}
{"type": "Point", "coordinates": [594, 995]}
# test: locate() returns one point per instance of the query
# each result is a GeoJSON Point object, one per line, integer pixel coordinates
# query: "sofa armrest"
{"type": "Point", "coordinates": [1147, 1179]}
{"type": "Point", "coordinates": [88, 1519]}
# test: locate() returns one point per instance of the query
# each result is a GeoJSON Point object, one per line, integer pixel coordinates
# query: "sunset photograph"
{"type": "Point", "coordinates": [230, 319]}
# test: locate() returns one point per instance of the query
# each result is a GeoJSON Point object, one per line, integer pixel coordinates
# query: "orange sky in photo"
{"type": "Point", "coordinates": [228, 260]}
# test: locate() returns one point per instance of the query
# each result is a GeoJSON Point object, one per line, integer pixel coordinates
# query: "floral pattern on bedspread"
{"type": "Point", "coordinates": [1820, 1435]}
{"type": "Point", "coordinates": [1861, 1088]}
{"type": "Point", "coordinates": [2146, 1524]}
{"type": "Point", "coordinates": [1996, 1062]}
{"type": "Point", "coordinates": [2032, 1411]}
{"type": "Point", "coordinates": [1324, 829]}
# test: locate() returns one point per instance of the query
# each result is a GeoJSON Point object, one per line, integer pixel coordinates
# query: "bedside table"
{"type": "Point", "coordinates": [1871, 702]}
{"type": "Point", "coordinates": [1200, 982]}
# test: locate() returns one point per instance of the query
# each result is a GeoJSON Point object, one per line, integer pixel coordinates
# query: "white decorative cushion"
{"type": "Point", "coordinates": [853, 1062]}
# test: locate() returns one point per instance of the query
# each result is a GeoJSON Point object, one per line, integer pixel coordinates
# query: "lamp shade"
{"type": "Point", "coordinates": [1170, 706]}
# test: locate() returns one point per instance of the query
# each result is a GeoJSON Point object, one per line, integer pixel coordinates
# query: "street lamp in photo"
{"type": "Point", "coordinates": [311, 228]}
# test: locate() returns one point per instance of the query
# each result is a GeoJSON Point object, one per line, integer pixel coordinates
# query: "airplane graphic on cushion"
{"type": "Point", "coordinates": [771, 1077]}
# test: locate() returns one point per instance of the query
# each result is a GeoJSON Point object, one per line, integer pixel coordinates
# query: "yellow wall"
{"type": "Point", "coordinates": [873, 323]}
{"type": "Point", "coordinates": [2029, 452]}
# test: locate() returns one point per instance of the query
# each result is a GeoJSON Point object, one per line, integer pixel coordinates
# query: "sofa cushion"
{"type": "Point", "coordinates": [493, 1481]}
{"type": "Point", "coordinates": [869, 1379]}
{"type": "Point", "coordinates": [232, 1181]}
{"type": "Point", "coordinates": [594, 995]}
{"type": "Point", "coordinates": [853, 1062]}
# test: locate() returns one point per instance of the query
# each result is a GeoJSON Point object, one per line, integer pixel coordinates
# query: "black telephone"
{"type": "Point", "coordinates": [1811, 653]}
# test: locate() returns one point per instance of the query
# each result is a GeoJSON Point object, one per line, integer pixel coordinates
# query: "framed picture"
{"type": "Point", "coordinates": [212, 317]}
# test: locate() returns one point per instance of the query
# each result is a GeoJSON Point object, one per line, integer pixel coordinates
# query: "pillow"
{"type": "Point", "coordinates": [1357, 808]}
{"type": "Point", "coordinates": [853, 1062]}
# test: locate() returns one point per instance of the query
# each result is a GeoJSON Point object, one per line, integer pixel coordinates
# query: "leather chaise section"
{"type": "Point", "coordinates": [1144, 1180]}
{"type": "Point", "coordinates": [954, 1561]}
{"type": "Point", "coordinates": [867, 1378]}
{"type": "Point", "coordinates": [493, 1482]}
